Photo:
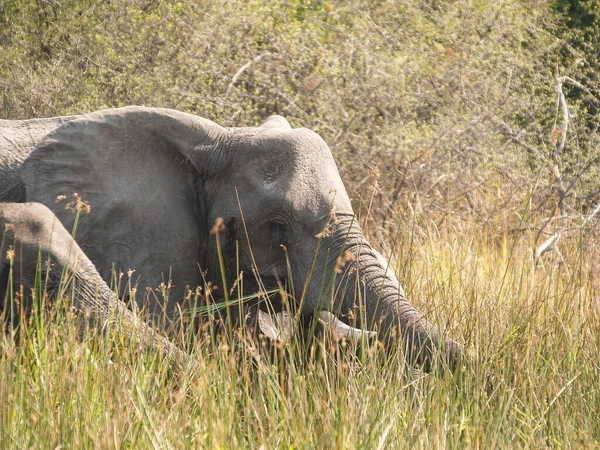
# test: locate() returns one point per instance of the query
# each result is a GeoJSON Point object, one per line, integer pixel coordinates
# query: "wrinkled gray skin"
{"type": "Point", "coordinates": [28, 228]}
{"type": "Point", "coordinates": [158, 179]}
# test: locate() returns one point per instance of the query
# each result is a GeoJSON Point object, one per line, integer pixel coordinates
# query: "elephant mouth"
{"type": "Point", "coordinates": [273, 314]}
{"type": "Point", "coordinates": [262, 290]}
{"type": "Point", "coordinates": [275, 300]}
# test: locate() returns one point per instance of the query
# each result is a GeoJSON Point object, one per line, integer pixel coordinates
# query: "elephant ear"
{"type": "Point", "coordinates": [144, 194]}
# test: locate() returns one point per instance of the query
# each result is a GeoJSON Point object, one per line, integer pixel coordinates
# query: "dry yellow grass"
{"type": "Point", "coordinates": [532, 382]}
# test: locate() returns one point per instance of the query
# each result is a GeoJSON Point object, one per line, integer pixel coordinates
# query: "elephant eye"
{"type": "Point", "coordinates": [277, 231]}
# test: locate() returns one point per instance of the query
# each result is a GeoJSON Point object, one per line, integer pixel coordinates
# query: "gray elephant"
{"type": "Point", "coordinates": [178, 198]}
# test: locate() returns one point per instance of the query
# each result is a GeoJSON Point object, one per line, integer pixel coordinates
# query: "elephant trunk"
{"type": "Point", "coordinates": [368, 290]}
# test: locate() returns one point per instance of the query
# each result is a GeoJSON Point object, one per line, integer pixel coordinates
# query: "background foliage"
{"type": "Point", "coordinates": [430, 92]}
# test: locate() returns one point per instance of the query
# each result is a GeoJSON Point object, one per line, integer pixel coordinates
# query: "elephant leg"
{"type": "Point", "coordinates": [30, 233]}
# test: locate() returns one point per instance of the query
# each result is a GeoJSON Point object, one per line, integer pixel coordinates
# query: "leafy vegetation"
{"type": "Point", "coordinates": [431, 93]}
{"type": "Point", "coordinates": [446, 120]}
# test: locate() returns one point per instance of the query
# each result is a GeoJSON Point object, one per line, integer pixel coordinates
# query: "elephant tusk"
{"type": "Point", "coordinates": [277, 327]}
{"type": "Point", "coordinates": [341, 330]}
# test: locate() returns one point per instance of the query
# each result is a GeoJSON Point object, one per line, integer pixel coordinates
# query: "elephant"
{"type": "Point", "coordinates": [179, 201]}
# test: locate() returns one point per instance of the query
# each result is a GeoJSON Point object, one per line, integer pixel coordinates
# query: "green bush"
{"type": "Point", "coordinates": [426, 92]}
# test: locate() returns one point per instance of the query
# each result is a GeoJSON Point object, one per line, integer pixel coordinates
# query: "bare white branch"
{"type": "Point", "coordinates": [591, 216]}
{"type": "Point", "coordinates": [548, 242]}
{"type": "Point", "coordinates": [241, 70]}
{"type": "Point", "coordinates": [559, 147]}
{"type": "Point", "coordinates": [556, 236]}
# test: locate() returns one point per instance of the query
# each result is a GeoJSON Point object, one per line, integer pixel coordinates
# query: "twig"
{"type": "Point", "coordinates": [238, 74]}
{"type": "Point", "coordinates": [548, 242]}
{"type": "Point", "coordinates": [591, 216]}
{"type": "Point", "coordinates": [578, 85]}
{"type": "Point", "coordinates": [516, 138]}
{"type": "Point", "coordinates": [561, 104]}
{"type": "Point", "coordinates": [560, 145]}
{"type": "Point", "coordinates": [552, 239]}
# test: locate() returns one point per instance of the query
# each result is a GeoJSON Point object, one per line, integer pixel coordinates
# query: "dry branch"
{"type": "Point", "coordinates": [234, 81]}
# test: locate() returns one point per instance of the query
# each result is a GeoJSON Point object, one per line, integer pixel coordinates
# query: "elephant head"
{"type": "Point", "coordinates": [158, 181]}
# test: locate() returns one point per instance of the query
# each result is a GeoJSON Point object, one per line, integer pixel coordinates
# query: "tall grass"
{"type": "Point", "coordinates": [532, 328]}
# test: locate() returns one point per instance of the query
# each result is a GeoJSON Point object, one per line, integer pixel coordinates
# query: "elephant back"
{"type": "Point", "coordinates": [18, 138]}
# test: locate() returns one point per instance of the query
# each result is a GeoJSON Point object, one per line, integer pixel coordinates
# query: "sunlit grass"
{"type": "Point", "coordinates": [532, 329]}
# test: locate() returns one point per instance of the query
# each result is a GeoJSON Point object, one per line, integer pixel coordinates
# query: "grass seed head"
{"type": "Point", "coordinates": [77, 205]}
{"type": "Point", "coordinates": [218, 227]}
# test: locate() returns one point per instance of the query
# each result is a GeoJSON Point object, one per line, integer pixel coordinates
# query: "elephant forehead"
{"type": "Point", "coordinates": [315, 182]}
{"type": "Point", "coordinates": [318, 188]}
{"type": "Point", "coordinates": [272, 153]}
{"type": "Point", "coordinates": [295, 166]}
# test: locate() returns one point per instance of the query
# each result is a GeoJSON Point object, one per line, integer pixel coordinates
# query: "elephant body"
{"type": "Point", "coordinates": [176, 201]}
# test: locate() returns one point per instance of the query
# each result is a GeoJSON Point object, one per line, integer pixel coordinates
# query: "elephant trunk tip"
{"type": "Point", "coordinates": [436, 355]}
{"type": "Point", "coordinates": [455, 354]}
